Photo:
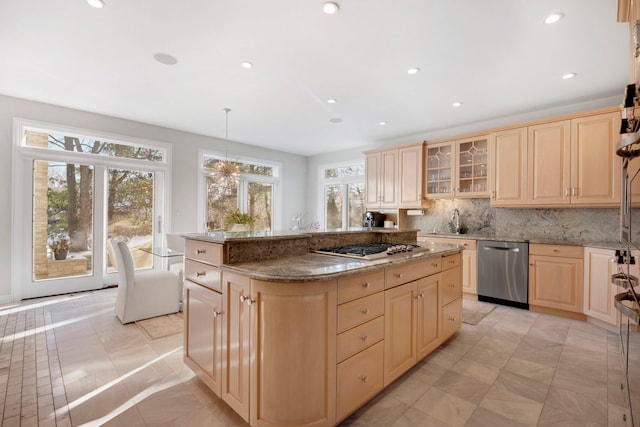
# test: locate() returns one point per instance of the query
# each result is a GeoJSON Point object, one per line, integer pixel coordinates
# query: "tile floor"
{"type": "Point", "coordinates": [67, 361]}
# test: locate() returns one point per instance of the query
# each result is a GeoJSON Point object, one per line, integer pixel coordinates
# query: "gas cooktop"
{"type": "Point", "coordinates": [371, 251]}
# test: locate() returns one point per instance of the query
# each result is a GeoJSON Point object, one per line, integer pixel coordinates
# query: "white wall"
{"type": "Point", "coordinates": [184, 171]}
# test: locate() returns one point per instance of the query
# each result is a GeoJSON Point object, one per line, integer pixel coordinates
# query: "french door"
{"type": "Point", "coordinates": [67, 205]}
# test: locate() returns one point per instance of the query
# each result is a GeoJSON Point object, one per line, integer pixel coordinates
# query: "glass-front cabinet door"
{"type": "Point", "coordinates": [472, 167]}
{"type": "Point", "coordinates": [440, 170]}
{"type": "Point", "coordinates": [458, 169]}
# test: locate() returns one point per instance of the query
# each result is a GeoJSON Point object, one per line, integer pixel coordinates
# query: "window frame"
{"type": "Point", "coordinates": [346, 181]}
{"type": "Point", "coordinates": [243, 185]}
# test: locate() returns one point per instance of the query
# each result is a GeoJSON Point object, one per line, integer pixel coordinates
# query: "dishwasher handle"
{"type": "Point", "coordinates": [499, 248]}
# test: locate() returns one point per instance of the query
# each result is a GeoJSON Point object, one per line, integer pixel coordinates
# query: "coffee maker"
{"type": "Point", "coordinates": [373, 219]}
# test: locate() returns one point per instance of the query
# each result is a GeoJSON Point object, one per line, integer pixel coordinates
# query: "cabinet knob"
{"type": "Point", "coordinates": [201, 273]}
{"type": "Point", "coordinates": [365, 311]}
{"type": "Point", "coordinates": [434, 264]}
{"type": "Point", "coordinates": [246, 300]}
{"type": "Point", "coordinates": [555, 250]}
{"type": "Point", "coordinates": [451, 261]}
{"type": "Point", "coordinates": [452, 285]}
{"type": "Point", "coordinates": [453, 319]}
{"type": "Point", "coordinates": [398, 275]}
{"type": "Point", "coordinates": [365, 285]}
{"type": "Point", "coordinates": [364, 337]}
{"type": "Point", "coordinates": [201, 251]}
{"type": "Point", "coordinates": [216, 313]}
{"type": "Point", "coordinates": [364, 378]}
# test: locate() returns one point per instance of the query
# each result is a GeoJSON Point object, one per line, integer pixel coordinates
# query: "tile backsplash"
{"type": "Point", "coordinates": [478, 217]}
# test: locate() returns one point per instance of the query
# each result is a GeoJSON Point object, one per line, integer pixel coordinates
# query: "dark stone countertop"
{"type": "Point", "coordinates": [313, 267]}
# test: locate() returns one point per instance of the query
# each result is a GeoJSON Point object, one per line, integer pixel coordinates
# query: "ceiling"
{"type": "Point", "coordinates": [495, 56]}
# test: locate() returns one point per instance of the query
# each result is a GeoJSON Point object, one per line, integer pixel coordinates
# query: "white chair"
{"type": "Point", "coordinates": [143, 294]}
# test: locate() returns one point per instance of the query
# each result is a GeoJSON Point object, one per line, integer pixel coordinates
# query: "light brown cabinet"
{"type": "Point", "coordinates": [203, 334]}
{"type": "Point", "coordinates": [293, 353]}
{"type": "Point", "coordinates": [458, 168]}
{"type": "Point", "coordinates": [360, 346]}
{"type": "Point", "coordinates": [394, 177]}
{"type": "Point", "coordinates": [203, 310]}
{"type": "Point", "coordinates": [469, 261]}
{"type": "Point", "coordinates": [413, 316]}
{"type": "Point", "coordinates": [562, 163]}
{"type": "Point", "coordinates": [599, 292]}
{"type": "Point", "coordinates": [555, 278]}
{"type": "Point", "coordinates": [508, 166]}
{"type": "Point", "coordinates": [381, 179]}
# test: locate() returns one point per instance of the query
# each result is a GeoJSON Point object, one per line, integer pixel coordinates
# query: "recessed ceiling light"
{"type": "Point", "coordinates": [382, 123]}
{"type": "Point", "coordinates": [330, 8]}
{"type": "Point", "coordinates": [165, 59]}
{"type": "Point", "coordinates": [98, 4]}
{"type": "Point", "coordinates": [413, 70]}
{"type": "Point", "coordinates": [336, 120]}
{"type": "Point", "coordinates": [553, 18]}
{"type": "Point", "coordinates": [331, 101]}
{"type": "Point", "coordinates": [568, 76]}
{"type": "Point", "coordinates": [247, 65]}
{"type": "Point", "coordinates": [457, 104]}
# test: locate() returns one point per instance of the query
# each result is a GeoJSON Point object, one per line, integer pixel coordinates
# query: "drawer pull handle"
{"type": "Point", "coordinates": [216, 313]}
{"type": "Point", "coordinates": [398, 275]}
{"type": "Point", "coordinates": [201, 251]}
{"type": "Point", "coordinates": [452, 261]}
{"type": "Point", "coordinates": [365, 285]}
{"type": "Point", "coordinates": [434, 264]}
{"type": "Point", "coordinates": [453, 319]}
{"type": "Point", "coordinates": [364, 337]}
{"type": "Point", "coordinates": [452, 285]}
{"type": "Point", "coordinates": [200, 274]}
{"type": "Point", "coordinates": [364, 378]}
{"type": "Point", "coordinates": [555, 250]}
{"type": "Point", "coordinates": [365, 311]}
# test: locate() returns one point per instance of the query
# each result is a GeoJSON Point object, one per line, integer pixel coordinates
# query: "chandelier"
{"type": "Point", "coordinates": [225, 172]}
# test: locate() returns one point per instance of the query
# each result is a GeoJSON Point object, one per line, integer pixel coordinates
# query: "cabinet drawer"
{"type": "Point", "coordinates": [405, 273]}
{"type": "Point", "coordinates": [359, 311]}
{"type": "Point", "coordinates": [565, 251]}
{"type": "Point", "coordinates": [451, 261]}
{"type": "Point", "coordinates": [451, 285]}
{"type": "Point", "coordinates": [204, 274]}
{"type": "Point", "coordinates": [451, 318]}
{"type": "Point", "coordinates": [467, 244]}
{"type": "Point", "coordinates": [359, 379]}
{"type": "Point", "coordinates": [357, 339]}
{"type": "Point", "coordinates": [350, 288]}
{"type": "Point", "coordinates": [211, 253]}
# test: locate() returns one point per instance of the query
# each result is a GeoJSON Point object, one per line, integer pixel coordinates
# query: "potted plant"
{"type": "Point", "coordinates": [60, 246]}
{"type": "Point", "coordinates": [238, 221]}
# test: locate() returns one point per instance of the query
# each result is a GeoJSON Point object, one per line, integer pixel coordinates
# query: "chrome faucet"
{"type": "Point", "coordinates": [456, 220]}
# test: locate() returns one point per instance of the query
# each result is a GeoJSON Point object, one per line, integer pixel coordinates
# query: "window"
{"type": "Point", "coordinates": [78, 189]}
{"type": "Point", "coordinates": [243, 185]}
{"type": "Point", "coordinates": [343, 195]}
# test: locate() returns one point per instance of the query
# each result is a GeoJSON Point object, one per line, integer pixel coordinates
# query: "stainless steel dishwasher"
{"type": "Point", "coordinates": [503, 272]}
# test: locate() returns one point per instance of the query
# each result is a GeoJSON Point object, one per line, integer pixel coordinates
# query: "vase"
{"type": "Point", "coordinates": [60, 255]}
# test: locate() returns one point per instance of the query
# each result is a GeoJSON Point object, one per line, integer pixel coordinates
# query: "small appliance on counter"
{"type": "Point", "coordinates": [373, 219]}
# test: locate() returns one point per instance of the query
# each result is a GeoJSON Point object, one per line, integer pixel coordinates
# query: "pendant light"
{"type": "Point", "coordinates": [225, 171]}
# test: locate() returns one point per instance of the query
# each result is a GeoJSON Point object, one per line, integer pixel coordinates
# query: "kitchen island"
{"type": "Point", "coordinates": [309, 338]}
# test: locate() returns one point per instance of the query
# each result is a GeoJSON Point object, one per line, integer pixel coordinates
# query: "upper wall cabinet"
{"type": "Point", "coordinates": [568, 162]}
{"type": "Point", "coordinates": [381, 179]}
{"type": "Point", "coordinates": [394, 177]}
{"type": "Point", "coordinates": [458, 168]}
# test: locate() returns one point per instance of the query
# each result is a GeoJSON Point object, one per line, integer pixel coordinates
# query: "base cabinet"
{"type": "Point", "coordinates": [310, 354]}
{"type": "Point", "coordinates": [203, 333]}
{"type": "Point", "coordinates": [469, 261]}
{"type": "Point", "coordinates": [555, 277]}
{"type": "Point", "coordinates": [599, 292]}
{"type": "Point", "coordinates": [293, 354]}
